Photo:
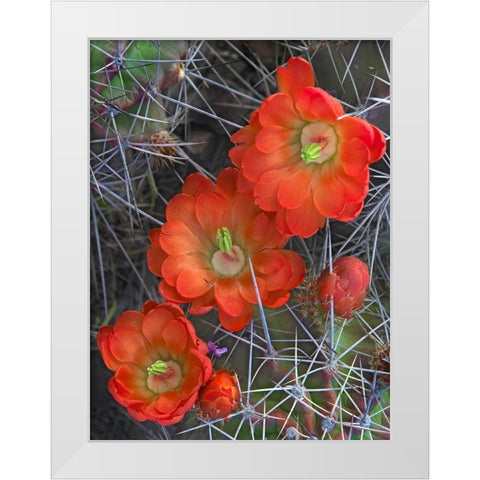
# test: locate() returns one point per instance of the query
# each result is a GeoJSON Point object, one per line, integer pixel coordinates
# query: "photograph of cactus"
{"type": "Point", "coordinates": [240, 240]}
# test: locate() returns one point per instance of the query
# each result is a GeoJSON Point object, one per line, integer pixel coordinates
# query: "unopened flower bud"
{"type": "Point", "coordinates": [219, 397]}
{"type": "Point", "coordinates": [346, 286]}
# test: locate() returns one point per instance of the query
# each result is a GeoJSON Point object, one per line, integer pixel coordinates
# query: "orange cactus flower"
{"type": "Point", "coordinates": [159, 362]}
{"type": "Point", "coordinates": [302, 158]}
{"type": "Point", "coordinates": [347, 285]}
{"type": "Point", "coordinates": [202, 252]}
{"type": "Point", "coordinates": [219, 397]}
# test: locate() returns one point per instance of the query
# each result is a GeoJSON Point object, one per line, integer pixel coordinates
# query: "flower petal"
{"type": "Point", "coordinates": [174, 264]}
{"type": "Point", "coordinates": [356, 186]}
{"type": "Point", "coordinates": [194, 378]}
{"type": "Point", "coordinates": [117, 391]}
{"type": "Point", "coordinates": [174, 309]}
{"type": "Point", "coordinates": [155, 258]}
{"type": "Point", "coordinates": [273, 137]}
{"type": "Point", "coordinates": [199, 359]}
{"type": "Point", "coordinates": [103, 338]}
{"type": "Point", "coordinates": [278, 109]}
{"type": "Point", "coordinates": [268, 262]}
{"type": "Point", "coordinates": [226, 182]}
{"type": "Point", "coordinates": [127, 345]}
{"type": "Point", "coordinates": [255, 162]}
{"type": "Point", "coordinates": [169, 293]}
{"type": "Point", "coordinates": [130, 317]}
{"type": "Point", "coordinates": [211, 209]}
{"type": "Point", "coordinates": [354, 156]}
{"type": "Point", "coordinates": [277, 298]}
{"type": "Point", "coordinates": [247, 288]}
{"type": "Point", "coordinates": [175, 336]}
{"type": "Point", "coordinates": [254, 121]}
{"type": "Point", "coordinates": [287, 268]}
{"type": "Point", "coordinates": [228, 296]}
{"type": "Point", "coordinates": [295, 187]}
{"type": "Point", "coordinates": [168, 401]}
{"type": "Point", "coordinates": [194, 283]}
{"type": "Point", "coordinates": [149, 305]}
{"type": "Point", "coordinates": [278, 279]}
{"type": "Point", "coordinates": [235, 323]}
{"type": "Point", "coordinates": [137, 415]}
{"type": "Point", "coordinates": [298, 268]}
{"type": "Point", "coordinates": [296, 76]}
{"type": "Point", "coordinates": [176, 238]}
{"type": "Point", "coordinates": [378, 146]}
{"type": "Point", "coordinates": [354, 127]}
{"type": "Point", "coordinates": [154, 235]}
{"type": "Point", "coordinates": [265, 190]}
{"type": "Point", "coordinates": [153, 324]}
{"type": "Point", "coordinates": [329, 196]}
{"type": "Point", "coordinates": [281, 223]}
{"type": "Point", "coordinates": [304, 221]}
{"type": "Point", "coordinates": [258, 227]}
{"type": "Point", "coordinates": [196, 184]}
{"type": "Point", "coordinates": [203, 304]}
{"type": "Point", "coordinates": [352, 210]}
{"type": "Point", "coordinates": [243, 211]}
{"type": "Point", "coordinates": [245, 135]}
{"type": "Point", "coordinates": [182, 208]}
{"type": "Point", "coordinates": [245, 186]}
{"type": "Point", "coordinates": [237, 153]}
{"type": "Point", "coordinates": [131, 381]}
{"type": "Point", "coordinates": [317, 104]}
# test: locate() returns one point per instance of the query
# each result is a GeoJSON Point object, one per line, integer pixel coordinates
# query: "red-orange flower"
{"type": "Point", "coordinates": [346, 285]}
{"type": "Point", "coordinates": [219, 397]}
{"type": "Point", "coordinates": [302, 158]}
{"type": "Point", "coordinates": [202, 252]}
{"type": "Point", "coordinates": [159, 362]}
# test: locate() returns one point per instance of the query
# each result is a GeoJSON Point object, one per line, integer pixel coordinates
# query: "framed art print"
{"type": "Point", "coordinates": [240, 239]}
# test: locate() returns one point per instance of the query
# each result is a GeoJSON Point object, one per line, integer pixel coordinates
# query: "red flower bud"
{"type": "Point", "coordinates": [348, 284]}
{"type": "Point", "coordinates": [219, 397]}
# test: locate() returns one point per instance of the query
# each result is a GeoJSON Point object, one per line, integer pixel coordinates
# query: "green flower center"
{"type": "Point", "coordinates": [164, 376]}
{"type": "Point", "coordinates": [311, 152]}
{"type": "Point", "coordinates": [224, 240]}
{"type": "Point", "coordinates": [229, 260]}
{"type": "Point", "coordinates": [319, 143]}
{"type": "Point", "coordinates": [157, 368]}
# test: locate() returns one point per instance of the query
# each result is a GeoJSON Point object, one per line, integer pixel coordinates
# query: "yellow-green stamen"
{"type": "Point", "coordinates": [311, 152]}
{"type": "Point", "coordinates": [157, 368]}
{"type": "Point", "coordinates": [224, 240]}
